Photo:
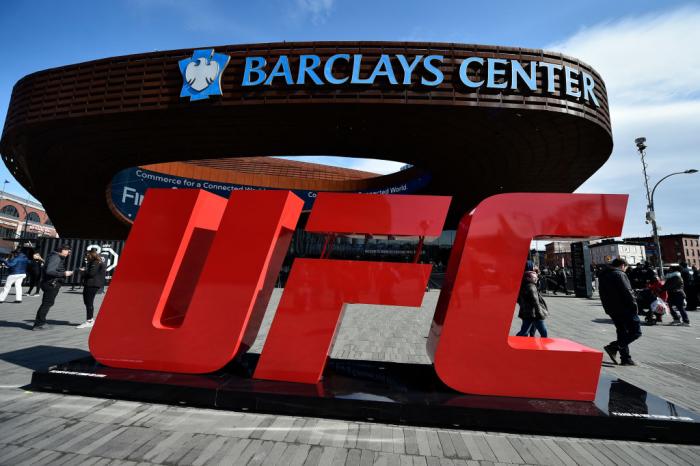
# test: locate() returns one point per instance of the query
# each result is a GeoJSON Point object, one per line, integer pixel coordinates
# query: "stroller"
{"type": "Point", "coordinates": [650, 306]}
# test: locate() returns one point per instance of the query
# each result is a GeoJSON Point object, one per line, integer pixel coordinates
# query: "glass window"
{"type": "Point", "coordinates": [33, 217]}
{"type": "Point", "coordinates": [10, 211]}
{"type": "Point", "coordinates": [48, 222]}
{"type": "Point", "coordinates": [7, 233]}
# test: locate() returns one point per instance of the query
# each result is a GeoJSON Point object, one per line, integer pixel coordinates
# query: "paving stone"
{"type": "Point", "coordinates": [209, 450]}
{"type": "Point", "coordinates": [559, 452]}
{"type": "Point", "coordinates": [485, 448]}
{"type": "Point", "coordinates": [276, 454]}
{"type": "Point", "coordinates": [524, 450]}
{"type": "Point", "coordinates": [387, 459]}
{"type": "Point", "coordinates": [296, 454]}
{"type": "Point", "coordinates": [410, 441]}
{"type": "Point", "coordinates": [398, 440]}
{"type": "Point", "coordinates": [503, 450]}
{"type": "Point", "coordinates": [434, 444]}
{"type": "Point", "coordinates": [446, 445]}
{"type": "Point", "coordinates": [340, 458]}
{"type": "Point", "coordinates": [543, 452]}
{"type": "Point", "coordinates": [595, 451]}
{"type": "Point", "coordinates": [367, 458]}
{"type": "Point", "coordinates": [258, 457]}
{"type": "Point", "coordinates": [8, 451]}
{"type": "Point", "coordinates": [23, 455]}
{"type": "Point", "coordinates": [578, 453]}
{"type": "Point", "coordinates": [229, 451]}
{"type": "Point", "coordinates": [279, 428]}
{"type": "Point", "coordinates": [314, 456]}
{"type": "Point", "coordinates": [261, 428]}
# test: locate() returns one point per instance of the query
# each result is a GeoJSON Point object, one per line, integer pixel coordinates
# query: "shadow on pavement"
{"type": "Point", "coordinates": [602, 321]}
{"type": "Point", "coordinates": [42, 356]}
{"type": "Point", "coordinates": [7, 323]}
{"type": "Point", "coordinates": [55, 322]}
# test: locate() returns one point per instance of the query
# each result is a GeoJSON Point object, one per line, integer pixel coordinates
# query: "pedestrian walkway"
{"type": "Point", "coordinates": [44, 428]}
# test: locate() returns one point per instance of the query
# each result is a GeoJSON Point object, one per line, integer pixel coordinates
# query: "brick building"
{"type": "Point", "coordinates": [607, 250]}
{"type": "Point", "coordinates": [682, 247]}
{"type": "Point", "coordinates": [557, 253]}
{"type": "Point", "coordinates": [21, 220]}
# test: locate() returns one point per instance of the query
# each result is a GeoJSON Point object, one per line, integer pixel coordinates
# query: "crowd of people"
{"type": "Point", "coordinates": [554, 280]}
{"type": "Point", "coordinates": [48, 276]}
{"type": "Point", "coordinates": [625, 293]}
{"type": "Point", "coordinates": [676, 293]}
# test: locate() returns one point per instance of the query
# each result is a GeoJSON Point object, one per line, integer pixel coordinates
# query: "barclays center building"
{"type": "Point", "coordinates": [467, 121]}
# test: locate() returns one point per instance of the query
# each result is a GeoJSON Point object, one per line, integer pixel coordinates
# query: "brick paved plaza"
{"type": "Point", "coordinates": [43, 428]}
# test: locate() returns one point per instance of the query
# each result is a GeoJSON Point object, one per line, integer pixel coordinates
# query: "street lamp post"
{"type": "Point", "coordinates": [651, 213]}
{"type": "Point", "coordinates": [26, 220]}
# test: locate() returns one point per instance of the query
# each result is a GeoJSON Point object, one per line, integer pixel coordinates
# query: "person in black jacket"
{"type": "Point", "coordinates": [34, 269]}
{"type": "Point", "coordinates": [619, 303]}
{"type": "Point", "coordinates": [689, 287]}
{"type": "Point", "coordinates": [54, 275]}
{"type": "Point", "coordinates": [695, 299]}
{"type": "Point", "coordinates": [93, 279]}
{"type": "Point", "coordinates": [676, 296]}
{"type": "Point", "coordinates": [533, 309]}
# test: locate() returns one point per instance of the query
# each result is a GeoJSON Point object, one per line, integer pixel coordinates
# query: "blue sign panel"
{"type": "Point", "coordinates": [130, 185]}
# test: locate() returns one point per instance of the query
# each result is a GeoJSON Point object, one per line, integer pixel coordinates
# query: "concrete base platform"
{"type": "Point", "coordinates": [396, 393]}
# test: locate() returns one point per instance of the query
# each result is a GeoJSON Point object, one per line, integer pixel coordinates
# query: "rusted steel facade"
{"type": "Point", "coordinates": [70, 129]}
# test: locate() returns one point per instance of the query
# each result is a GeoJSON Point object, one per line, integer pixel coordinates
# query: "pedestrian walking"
{"type": "Point", "coordinates": [696, 286]}
{"type": "Point", "coordinates": [620, 304]}
{"type": "Point", "coordinates": [676, 296]}
{"type": "Point", "coordinates": [93, 277]}
{"type": "Point", "coordinates": [17, 266]}
{"type": "Point", "coordinates": [691, 289]}
{"type": "Point", "coordinates": [54, 275]}
{"type": "Point", "coordinates": [560, 279]}
{"type": "Point", "coordinates": [688, 287]}
{"type": "Point", "coordinates": [34, 269]}
{"type": "Point", "coordinates": [533, 310]}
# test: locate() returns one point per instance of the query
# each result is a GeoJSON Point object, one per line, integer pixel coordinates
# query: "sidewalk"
{"type": "Point", "coordinates": [42, 428]}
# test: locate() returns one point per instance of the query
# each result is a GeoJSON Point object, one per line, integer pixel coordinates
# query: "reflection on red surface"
{"type": "Point", "coordinates": [311, 307]}
{"type": "Point", "coordinates": [469, 340]}
{"type": "Point", "coordinates": [186, 297]}
{"type": "Point", "coordinates": [379, 214]}
{"type": "Point", "coordinates": [307, 318]}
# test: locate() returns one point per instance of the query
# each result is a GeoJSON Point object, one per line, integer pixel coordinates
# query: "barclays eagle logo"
{"type": "Point", "coordinates": [201, 74]}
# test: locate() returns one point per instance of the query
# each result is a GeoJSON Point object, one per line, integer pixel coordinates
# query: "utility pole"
{"type": "Point", "coordinates": [651, 213]}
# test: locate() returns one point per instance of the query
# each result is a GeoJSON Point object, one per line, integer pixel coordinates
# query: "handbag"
{"type": "Point", "coordinates": [659, 307]}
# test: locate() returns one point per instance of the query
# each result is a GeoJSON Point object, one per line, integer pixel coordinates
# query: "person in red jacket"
{"type": "Point", "coordinates": [656, 286]}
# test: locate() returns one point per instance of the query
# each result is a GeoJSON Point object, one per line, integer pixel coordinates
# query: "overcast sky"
{"type": "Point", "coordinates": [648, 53]}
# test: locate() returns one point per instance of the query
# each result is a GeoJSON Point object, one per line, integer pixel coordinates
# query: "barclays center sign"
{"type": "Point", "coordinates": [202, 73]}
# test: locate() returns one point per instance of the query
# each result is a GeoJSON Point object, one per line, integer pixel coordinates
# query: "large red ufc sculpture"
{"type": "Point", "coordinates": [197, 273]}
